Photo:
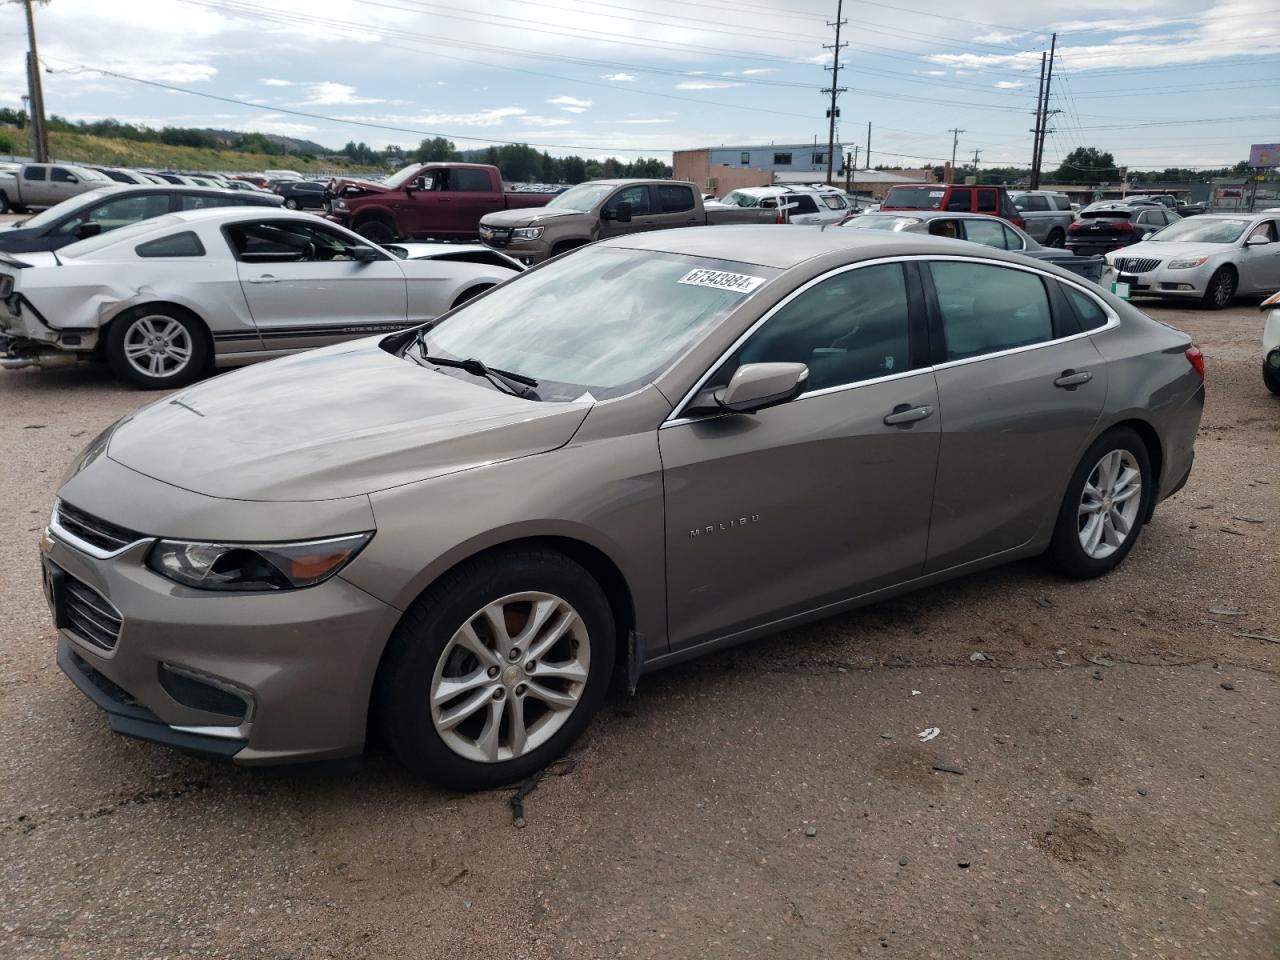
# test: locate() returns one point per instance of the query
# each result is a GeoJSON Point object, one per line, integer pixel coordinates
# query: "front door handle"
{"type": "Point", "coordinates": [904, 414]}
{"type": "Point", "coordinates": [265, 278]}
{"type": "Point", "coordinates": [1071, 379]}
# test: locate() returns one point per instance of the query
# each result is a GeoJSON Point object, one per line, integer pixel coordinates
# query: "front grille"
{"type": "Point", "coordinates": [94, 530]}
{"type": "Point", "coordinates": [89, 614]}
{"type": "Point", "coordinates": [1136, 264]}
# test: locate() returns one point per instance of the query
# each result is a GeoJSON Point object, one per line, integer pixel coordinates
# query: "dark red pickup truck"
{"type": "Point", "coordinates": [441, 201]}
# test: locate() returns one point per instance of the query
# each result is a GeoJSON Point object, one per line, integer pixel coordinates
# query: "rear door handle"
{"type": "Point", "coordinates": [904, 413]}
{"type": "Point", "coordinates": [1071, 379]}
{"type": "Point", "coordinates": [265, 278]}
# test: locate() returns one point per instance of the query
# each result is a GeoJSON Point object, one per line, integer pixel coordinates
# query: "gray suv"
{"type": "Point", "coordinates": [656, 447]}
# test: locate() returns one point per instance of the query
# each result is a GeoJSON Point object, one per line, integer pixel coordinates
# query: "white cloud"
{"type": "Point", "coordinates": [571, 104]}
{"type": "Point", "coordinates": [644, 120]}
{"type": "Point", "coordinates": [1009, 84]}
{"type": "Point", "coordinates": [619, 77]}
{"type": "Point", "coordinates": [705, 85]}
{"type": "Point", "coordinates": [275, 82]}
{"type": "Point", "coordinates": [328, 93]}
{"type": "Point", "coordinates": [758, 71]}
{"type": "Point", "coordinates": [998, 36]}
{"type": "Point", "coordinates": [935, 73]}
{"type": "Point", "coordinates": [275, 123]}
{"type": "Point", "coordinates": [532, 120]}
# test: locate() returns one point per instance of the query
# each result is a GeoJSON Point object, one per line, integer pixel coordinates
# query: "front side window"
{"type": "Point", "coordinates": [61, 175]}
{"type": "Point", "coordinates": [603, 321]}
{"type": "Point", "coordinates": [848, 328]}
{"type": "Point", "coordinates": [989, 233]}
{"type": "Point", "coordinates": [637, 196]}
{"type": "Point", "coordinates": [986, 309]}
{"type": "Point", "coordinates": [287, 241]}
{"type": "Point", "coordinates": [945, 228]}
{"type": "Point", "coordinates": [1265, 229]}
{"type": "Point", "coordinates": [114, 214]}
{"type": "Point", "coordinates": [185, 244]}
{"type": "Point", "coordinates": [674, 198]}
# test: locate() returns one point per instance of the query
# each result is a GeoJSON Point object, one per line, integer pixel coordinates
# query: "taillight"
{"type": "Point", "coordinates": [1075, 227]}
{"type": "Point", "coordinates": [1124, 226]}
{"type": "Point", "coordinates": [1196, 359]}
{"type": "Point", "coordinates": [1018, 222]}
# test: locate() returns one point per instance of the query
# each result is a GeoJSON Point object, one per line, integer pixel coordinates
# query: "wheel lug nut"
{"type": "Point", "coordinates": [514, 654]}
{"type": "Point", "coordinates": [499, 694]}
{"type": "Point", "coordinates": [520, 689]}
{"type": "Point", "coordinates": [531, 666]}
{"type": "Point", "coordinates": [493, 671]}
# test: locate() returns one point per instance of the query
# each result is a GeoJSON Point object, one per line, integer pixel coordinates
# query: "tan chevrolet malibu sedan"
{"type": "Point", "coordinates": [651, 448]}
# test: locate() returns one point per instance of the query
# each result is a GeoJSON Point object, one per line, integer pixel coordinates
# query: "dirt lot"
{"type": "Point", "coordinates": [1120, 759]}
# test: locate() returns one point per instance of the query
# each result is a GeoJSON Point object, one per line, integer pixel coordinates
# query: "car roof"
{"type": "Point", "coordinates": [763, 245]}
{"type": "Point", "coordinates": [933, 215]}
{"type": "Point", "coordinates": [238, 211]}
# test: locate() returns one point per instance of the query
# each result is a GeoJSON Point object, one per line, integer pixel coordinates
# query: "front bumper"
{"type": "Point", "coordinates": [527, 252]}
{"type": "Point", "coordinates": [1161, 282]}
{"type": "Point", "coordinates": [261, 677]}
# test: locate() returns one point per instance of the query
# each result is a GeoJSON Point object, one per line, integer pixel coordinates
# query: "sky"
{"type": "Point", "coordinates": [1156, 82]}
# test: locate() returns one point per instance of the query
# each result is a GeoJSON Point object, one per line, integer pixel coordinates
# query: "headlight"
{"type": "Point", "coordinates": [340, 206]}
{"type": "Point", "coordinates": [1185, 263]}
{"type": "Point", "coordinates": [244, 567]}
{"type": "Point", "coordinates": [526, 233]}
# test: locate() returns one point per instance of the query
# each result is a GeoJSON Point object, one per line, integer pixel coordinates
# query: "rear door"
{"type": "Point", "coordinates": [989, 233]}
{"type": "Point", "coordinates": [802, 208]}
{"type": "Point", "coordinates": [816, 500]}
{"type": "Point", "coordinates": [470, 196]}
{"type": "Point", "coordinates": [305, 290]}
{"type": "Point", "coordinates": [676, 207]}
{"type": "Point", "coordinates": [35, 190]}
{"type": "Point", "coordinates": [1034, 205]}
{"type": "Point", "coordinates": [1019, 389]}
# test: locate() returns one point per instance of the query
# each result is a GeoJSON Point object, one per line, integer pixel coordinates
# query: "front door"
{"type": "Point", "coordinates": [426, 210]}
{"type": "Point", "coordinates": [1019, 391]}
{"type": "Point", "coordinates": [305, 290]}
{"type": "Point", "coordinates": [817, 500]}
{"type": "Point", "coordinates": [1260, 264]}
{"type": "Point", "coordinates": [642, 218]}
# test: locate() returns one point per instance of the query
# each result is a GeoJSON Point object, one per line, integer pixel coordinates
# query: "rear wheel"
{"type": "Point", "coordinates": [1104, 507]}
{"type": "Point", "coordinates": [495, 671]}
{"type": "Point", "coordinates": [1057, 238]}
{"type": "Point", "coordinates": [4, 202]}
{"type": "Point", "coordinates": [1221, 289]}
{"type": "Point", "coordinates": [1271, 377]}
{"type": "Point", "coordinates": [291, 204]}
{"type": "Point", "coordinates": [157, 348]}
{"type": "Point", "coordinates": [379, 231]}
{"type": "Point", "coordinates": [471, 294]}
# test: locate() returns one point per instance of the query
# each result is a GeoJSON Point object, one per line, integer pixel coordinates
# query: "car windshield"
{"type": "Point", "coordinates": [916, 198]}
{"type": "Point", "coordinates": [879, 222]}
{"type": "Point", "coordinates": [582, 197]}
{"type": "Point", "coordinates": [737, 198]}
{"type": "Point", "coordinates": [402, 176]}
{"type": "Point", "coordinates": [601, 322]}
{"type": "Point", "coordinates": [120, 235]}
{"type": "Point", "coordinates": [60, 210]}
{"type": "Point", "coordinates": [1201, 230]}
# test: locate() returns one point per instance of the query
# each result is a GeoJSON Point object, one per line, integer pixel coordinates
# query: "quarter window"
{"type": "Point", "coordinates": [851, 327]}
{"type": "Point", "coordinates": [986, 309]}
{"type": "Point", "coordinates": [674, 199]}
{"type": "Point", "coordinates": [185, 244]}
{"type": "Point", "coordinates": [1087, 310]}
{"type": "Point", "coordinates": [835, 201]}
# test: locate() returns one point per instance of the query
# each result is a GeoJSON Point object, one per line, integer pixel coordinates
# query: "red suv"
{"type": "Point", "coordinates": [955, 197]}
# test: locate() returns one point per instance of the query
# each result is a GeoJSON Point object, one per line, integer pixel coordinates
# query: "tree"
{"type": "Point", "coordinates": [435, 150]}
{"type": "Point", "coordinates": [1087, 165]}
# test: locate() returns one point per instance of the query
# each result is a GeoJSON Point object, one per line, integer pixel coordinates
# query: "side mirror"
{"type": "Point", "coordinates": [362, 253]}
{"type": "Point", "coordinates": [1257, 241]}
{"type": "Point", "coordinates": [90, 228]}
{"type": "Point", "coordinates": [619, 211]}
{"type": "Point", "coordinates": [757, 386]}
{"type": "Point", "coordinates": [72, 178]}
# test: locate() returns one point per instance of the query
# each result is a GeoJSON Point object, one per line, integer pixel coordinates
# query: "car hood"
{"type": "Point", "coordinates": [336, 422]}
{"type": "Point", "coordinates": [1168, 250]}
{"type": "Point", "coordinates": [527, 217]}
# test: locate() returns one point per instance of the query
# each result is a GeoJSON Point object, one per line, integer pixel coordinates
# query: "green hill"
{"type": "Point", "coordinates": [110, 151]}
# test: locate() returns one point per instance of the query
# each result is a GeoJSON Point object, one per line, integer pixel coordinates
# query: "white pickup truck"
{"type": "Point", "coordinates": [1046, 214]}
{"type": "Point", "coordinates": [46, 184]}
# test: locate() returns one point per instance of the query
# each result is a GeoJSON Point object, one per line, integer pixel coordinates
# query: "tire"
{"type": "Point", "coordinates": [1067, 549]}
{"type": "Point", "coordinates": [133, 338]}
{"type": "Point", "coordinates": [1056, 239]}
{"type": "Point", "coordinates": [378, 231]}
{"type": "Point", "coordinates": [1271, 377]}
{"type": "Point", "coordinates": [4, 202]}
{"type": "Point", "coordinates": [291, 204]}
{"type": "Point", "coordinates": [471, 293]}
{"type": "Point", "coordinates": [1221, 289]}
{"type": "Point", "coordinates": [412, 694]}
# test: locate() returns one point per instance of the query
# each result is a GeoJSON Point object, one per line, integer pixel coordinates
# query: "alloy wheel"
{"type": "Point", "coordinates": [1223, 289]}
{"type": "Point", "coordinates": [157, 346]}
{"type": "Point", "coordinates": [1109, 504]}
{"type": "Point", "coordinates": [510, 677]}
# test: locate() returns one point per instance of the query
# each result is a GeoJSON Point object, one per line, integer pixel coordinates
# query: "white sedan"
{"type": "Point", "coordinates": [163, 300]}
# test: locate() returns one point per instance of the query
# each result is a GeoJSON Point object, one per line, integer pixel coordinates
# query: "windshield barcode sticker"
{"type": "Point", "coordinates": [720, 280]}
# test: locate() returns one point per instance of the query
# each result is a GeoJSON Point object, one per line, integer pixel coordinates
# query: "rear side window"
{"type": "Point", "coordinates": [849, 328]}
{"type": "Point", "coordinates": [989, 233]}
{"type": "Point", "coordinates": [185, 244]}
{"type": "Point", "coordinates": [201, 201]}
{"type": "Point", "coordinates": [1062, 201]}
{"type": "Point", "coordinates": [986, 309]}
{"type": "Point", "coordinates": [674, 199]}
{"type": "Point", "coordinates": [1031, 202]}
{"type": "Point", "coordinates": [988, 202]}
{"type": "Point", "coordinates": [470, 181]}
{"type": "Point", "coordinates": [961, 200]}
{"type": "Point", "coordinates": [35, 173]}
{"type": "Point", "coordinates": [802, 204]}
{"type": "Point", "coordinates": [1087, 310]}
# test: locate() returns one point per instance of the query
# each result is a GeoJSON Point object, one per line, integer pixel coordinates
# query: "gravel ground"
{"type": "Point", "coordinates": [1119, 768]}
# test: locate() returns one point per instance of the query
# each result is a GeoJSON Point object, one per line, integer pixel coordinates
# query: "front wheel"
{"type": "Point", "coordinates": [157, 348]}
{"type": "Point", "coordinates": [1271, 377]}
{"type": "Point", "coordinates": [1056, 239]}
{"type": "Point", "coordinates": [291, 204]}
{"type": "Point", "coordinates": [378, 231]}
{"type": "Point", "coordinates": [495, 671]}
{"type": "Point", "coordinates": [1104, 507]}
{"type": "Point", "coordinates": [1221, 289]}
{"type": "Point", "coordinates": [4, 202]}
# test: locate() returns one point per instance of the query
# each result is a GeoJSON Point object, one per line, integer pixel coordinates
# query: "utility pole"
{"type": "Point", "coordinates": [955, 142]}
{"type": "Point", "coordinates": [835, 89]}
{"type": "Point", "coordinates": [1043, 125]}
{"type": "Point", "coordinates": [976, 154]}
{"type": "Point", "coordinates": [1035, 141]}
{"type": "Point", "coordinates": [848, 169]}
{"type": "Point", "coordinates": [868, 157]}
{"type": "Point", "coordinates": [39, 133]}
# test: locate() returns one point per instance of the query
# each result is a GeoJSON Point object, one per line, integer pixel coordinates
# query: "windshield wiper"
{"type": "Point", "coordinates": [517, 384]}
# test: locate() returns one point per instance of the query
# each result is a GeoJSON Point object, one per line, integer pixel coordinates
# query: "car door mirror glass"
{"type": "Point", "coordinates": [362, 254]}
{"type": "Point", "coordinates": [90, 228]}
{"type": "Point", "coordinates": [621, 211]}
{"type": "Point", "coordinates": [757, 386]}
{"type": "Point", "coordinates": [1257, 240]}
